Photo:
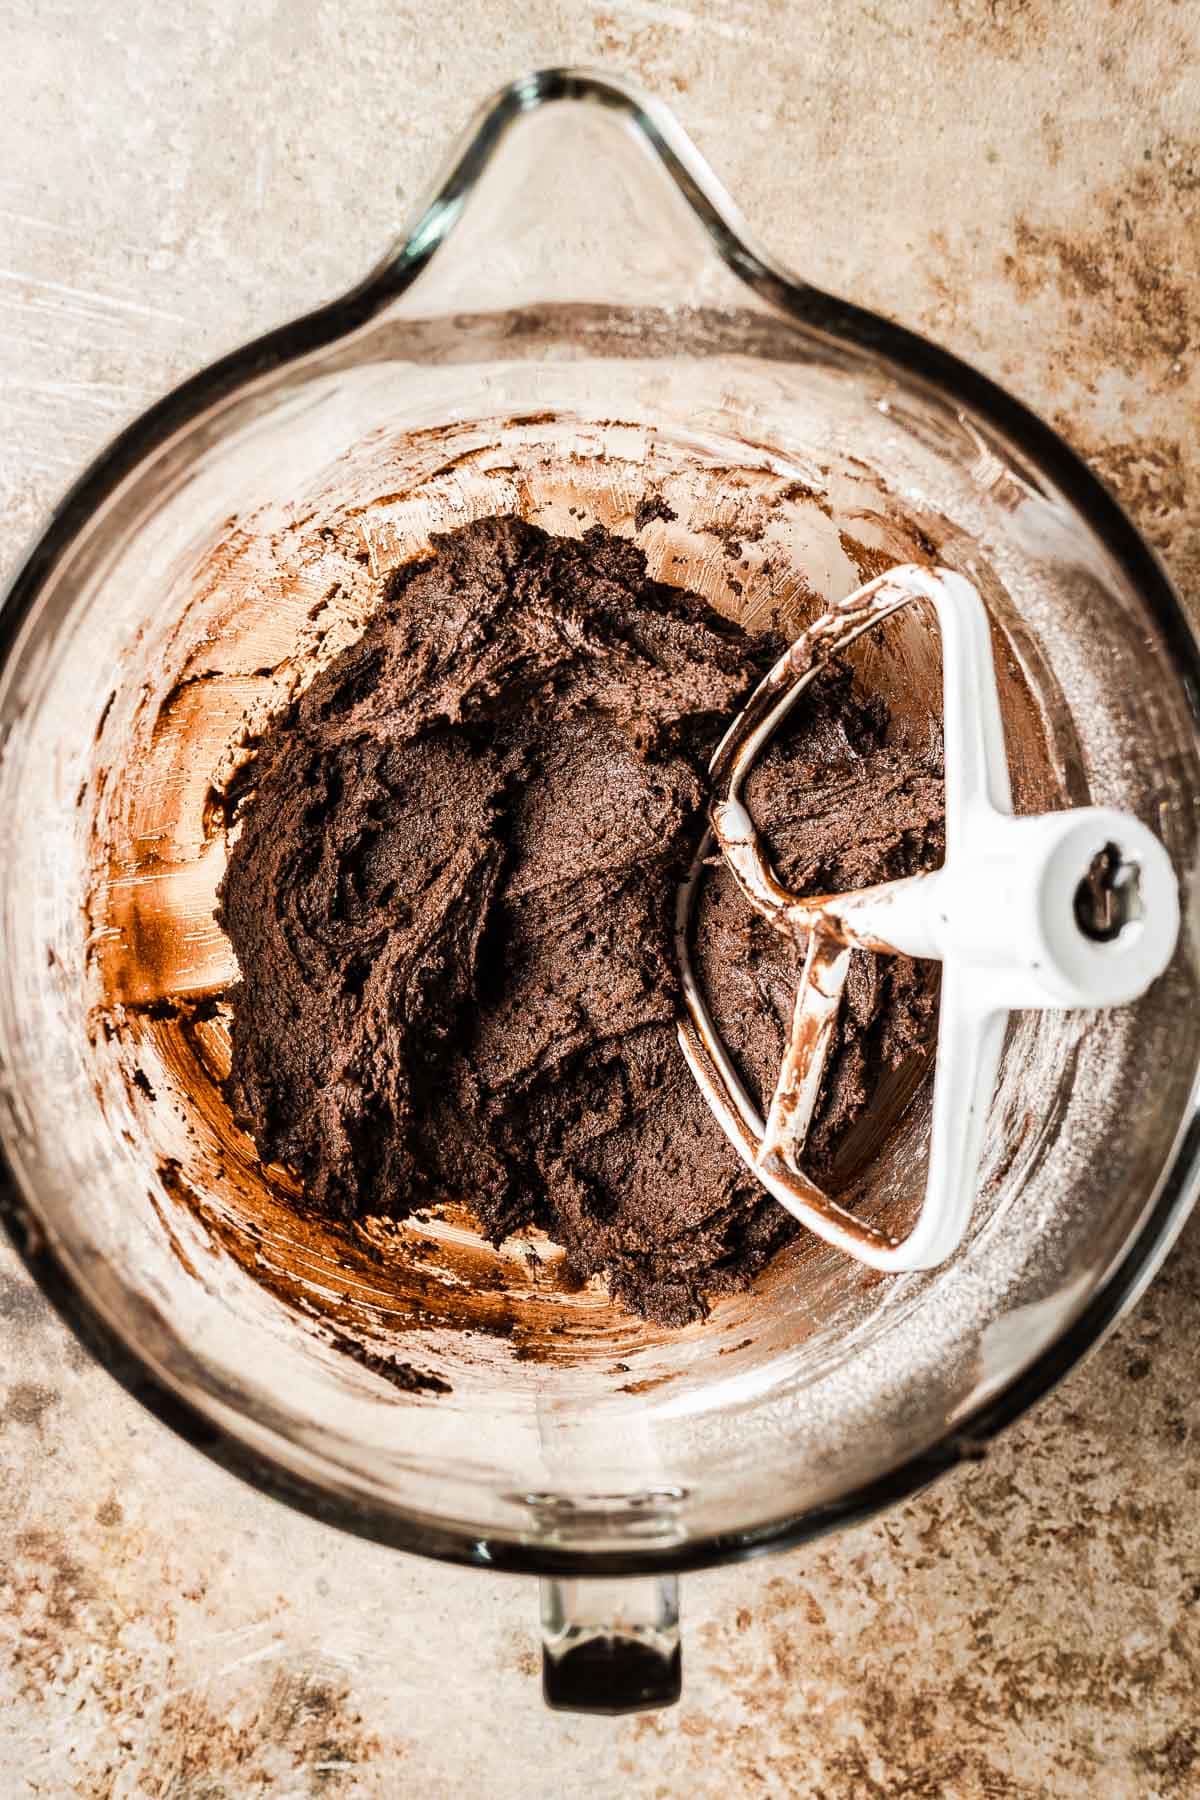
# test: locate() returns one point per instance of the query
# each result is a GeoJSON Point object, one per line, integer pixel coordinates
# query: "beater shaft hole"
{"type": "Point", "coordinates": [1109, 897]}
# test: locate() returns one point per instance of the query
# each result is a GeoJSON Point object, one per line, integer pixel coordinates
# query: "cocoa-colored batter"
{"type": "Point", "coordinates": [451, 901]}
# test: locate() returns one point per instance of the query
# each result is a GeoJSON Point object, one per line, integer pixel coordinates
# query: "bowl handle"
{"type": "Point", "coordinates": [611, 1646]}
{"type": "Point", "coordinates": [569, 188]}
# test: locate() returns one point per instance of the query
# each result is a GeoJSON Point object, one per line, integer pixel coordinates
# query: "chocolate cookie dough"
{"type": "Point", "coordinates": [451, 899]}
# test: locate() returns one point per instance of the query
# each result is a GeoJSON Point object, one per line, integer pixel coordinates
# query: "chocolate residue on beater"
{"type": "Point", "coordinates": [452, 896]}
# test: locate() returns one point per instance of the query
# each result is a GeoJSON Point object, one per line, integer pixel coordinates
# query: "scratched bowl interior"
{"type": "Point", "coordinates": [243, 557]}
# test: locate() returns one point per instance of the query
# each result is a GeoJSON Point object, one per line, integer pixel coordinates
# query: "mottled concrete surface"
{"type": "Point", "coordinates": [1020, 178]}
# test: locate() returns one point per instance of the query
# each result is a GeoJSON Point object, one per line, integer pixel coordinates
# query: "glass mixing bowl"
{"type": "Point", "coordinates": [576, 320]}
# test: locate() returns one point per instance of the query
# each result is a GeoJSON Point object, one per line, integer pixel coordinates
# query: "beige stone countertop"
{"type": "Point", "coordinates": [1018, 178]}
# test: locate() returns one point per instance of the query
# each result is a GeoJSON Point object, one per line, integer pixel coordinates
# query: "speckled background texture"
{"type": "Point", "coordinates": [1020, 178]}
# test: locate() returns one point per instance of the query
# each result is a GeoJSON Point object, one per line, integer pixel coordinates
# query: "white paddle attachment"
{"type": "Point", "coordinates": [1066, 909]}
